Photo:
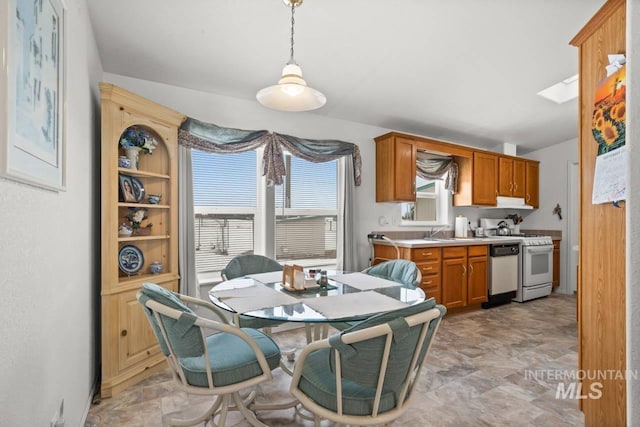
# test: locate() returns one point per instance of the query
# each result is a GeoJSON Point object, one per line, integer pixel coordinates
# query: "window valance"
{"type": "Point", "coordinates": [215, 139]}
{"type": "Point", "coordinates": [432, 166]}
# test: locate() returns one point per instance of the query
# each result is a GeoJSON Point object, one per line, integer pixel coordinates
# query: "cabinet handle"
{"type": "Point", "coordinates": [511, 187]}
{"type": "Point", "coordinates": [470, 269]}
{"type": "Point", "coordinates": [427, 268]}
{"type": "Point", "coordinates": [426, 253]}
{"type": "Point", "coordinates": [429, 282]}
{"type": "Point", "coordinates": [515, 186]}
{"type": "Point", "coordinates": [496, 193]}
{"type": "Point", "coordinates": [465, 270]}
{"type": "Point", "coordinates": [528, 197]}
{"type": "Point", "coordinates": [123, 333]}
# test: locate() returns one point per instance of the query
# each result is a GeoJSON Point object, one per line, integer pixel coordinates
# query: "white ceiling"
{"type": "Point", "coordinates": [466, 70]}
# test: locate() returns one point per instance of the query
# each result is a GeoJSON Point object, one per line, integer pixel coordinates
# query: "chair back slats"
{"type": "Point", "coordinates": [338, 380]}
{"type": "Point", "coordinates": [382, 373]}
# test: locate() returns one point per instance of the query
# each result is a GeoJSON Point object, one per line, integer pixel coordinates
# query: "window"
{"type": "Point", "coordinates": [229, 203]}
{"type": "Point", "coordinates": [431, 206]}
{"type": "Point", "coordinates": [224, 197]}
{"type": "Point", "coordinates": [306, 213]}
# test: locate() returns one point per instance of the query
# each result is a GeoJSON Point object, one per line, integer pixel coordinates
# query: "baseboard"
{"type": "Point", "coordinates": [95, 391]}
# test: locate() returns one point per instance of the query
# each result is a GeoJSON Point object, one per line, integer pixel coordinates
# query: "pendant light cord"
{"type": "Point", "coordinates": [293, 21]}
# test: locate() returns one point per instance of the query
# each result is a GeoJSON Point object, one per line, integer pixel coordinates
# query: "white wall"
{"type": "Point", "coordinates": [554, 186]}
{"type": "Point", "coordinates": [633, 209]}
{"type": "Point", "coordinates": [49, 245]}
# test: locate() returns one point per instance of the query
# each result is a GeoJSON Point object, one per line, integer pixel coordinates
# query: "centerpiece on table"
{"type": "Point", "coordinates": [136, 217]}
{"type": "Point", "coordinates": [134, 140]}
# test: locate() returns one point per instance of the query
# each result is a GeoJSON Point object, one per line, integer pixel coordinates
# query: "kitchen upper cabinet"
{"type": "Point", "coordinates": [395, 169]}
{"type": "Point", "coordinates": [532, 195]}
{"type": "Point", "coordinates": [485, 179]}
{"type": "Point", "coordinates": [511, 177]}
{"type": "Point", "coordinates": [482, 175]}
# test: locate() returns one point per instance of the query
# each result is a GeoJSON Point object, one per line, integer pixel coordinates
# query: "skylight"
{"type": "Point", "coordinates": [561, 92]}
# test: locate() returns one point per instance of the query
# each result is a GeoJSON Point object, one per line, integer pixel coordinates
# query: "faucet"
{"type": "Point", "coordinates": [433, 230]}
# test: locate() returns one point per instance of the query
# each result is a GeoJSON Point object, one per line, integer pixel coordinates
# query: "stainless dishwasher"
{"type": "Point", "coordinates": [503, 273]}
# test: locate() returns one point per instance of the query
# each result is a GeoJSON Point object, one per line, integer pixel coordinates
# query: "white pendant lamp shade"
{"type": "Point", "coordinates": [291, 93]}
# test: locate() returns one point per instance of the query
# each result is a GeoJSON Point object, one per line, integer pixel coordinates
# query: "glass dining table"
{"type": "Point", "coordinates": [347, 297]}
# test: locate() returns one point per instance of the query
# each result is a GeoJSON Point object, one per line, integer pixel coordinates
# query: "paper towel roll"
{"type": "Point", "coordinates": [462, 225]}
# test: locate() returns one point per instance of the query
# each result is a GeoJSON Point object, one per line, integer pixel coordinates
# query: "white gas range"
{"type": "Point", "coordinates": [535, 262]}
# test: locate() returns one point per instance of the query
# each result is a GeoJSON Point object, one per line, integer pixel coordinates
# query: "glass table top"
{"type": "Point", "coordinates": [338, 302]}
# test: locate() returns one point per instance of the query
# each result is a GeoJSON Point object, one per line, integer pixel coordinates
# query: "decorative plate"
{"type": "Point", "coordinates": [130, 259]}
{"type": "Point", "coordinates": [138, 189]}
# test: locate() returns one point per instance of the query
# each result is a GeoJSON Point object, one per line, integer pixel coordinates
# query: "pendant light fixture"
{"type": "Point", "coordinates": [291, 93]}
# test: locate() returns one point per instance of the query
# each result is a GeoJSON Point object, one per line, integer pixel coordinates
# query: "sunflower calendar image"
{"type": "Point", "coordinates": [608, 129]}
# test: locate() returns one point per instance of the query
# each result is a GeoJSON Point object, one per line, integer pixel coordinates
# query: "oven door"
{"type": "Point", "coordinates": [537, 265]}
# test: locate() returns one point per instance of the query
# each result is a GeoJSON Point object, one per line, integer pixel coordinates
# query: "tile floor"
{"type": "Point", "coordinates": [475, 375]}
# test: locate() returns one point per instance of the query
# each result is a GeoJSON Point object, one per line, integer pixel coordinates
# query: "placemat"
{"type": "Point", "coordinates": [271, 277]}
{"type": "Point", "coordinates": [250, 298]}
{"type": "Point", "coordinates": [362, 281]}
{"type": "Point", "coordinates": [356, 304]}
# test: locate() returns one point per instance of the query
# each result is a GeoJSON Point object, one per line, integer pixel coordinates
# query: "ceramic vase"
{"type": "Point", "coordinates": [156, 267]}
{"type": "Point", "coordinates": [133, 154]}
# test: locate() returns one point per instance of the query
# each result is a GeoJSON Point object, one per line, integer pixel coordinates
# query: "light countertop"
{"type": "Point", "coordinates": [443, 242]}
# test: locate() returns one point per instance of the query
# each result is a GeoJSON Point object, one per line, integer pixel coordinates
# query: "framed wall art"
{"type": "Point", "coordinates": [32, 93]}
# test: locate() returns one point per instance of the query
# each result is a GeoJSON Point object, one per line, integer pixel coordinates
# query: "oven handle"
{"type": "Point", "coordinates": [540, 250]}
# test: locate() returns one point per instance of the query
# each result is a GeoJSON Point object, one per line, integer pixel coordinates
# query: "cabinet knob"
{"type": "Point", "coordinates": [123, 333]}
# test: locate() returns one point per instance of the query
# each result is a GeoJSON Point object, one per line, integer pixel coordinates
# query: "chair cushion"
{"type": "Point", "coordinates": [318, 382]}
{"type": "Point", "coordinates": [231, 359]}
{"type": "Point", "coordinates": [399, 270]}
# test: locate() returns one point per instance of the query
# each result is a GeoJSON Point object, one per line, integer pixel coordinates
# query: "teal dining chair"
{"type": "Point", "coordinates": [398, 270]}
{"type": "Point", "coordinates": [208, 357]}
{"type": "Point", "coordinates": [365, 375]}
{"type": "Point", "coordinates": [243, 265]}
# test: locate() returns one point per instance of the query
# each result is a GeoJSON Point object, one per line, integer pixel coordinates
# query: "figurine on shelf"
{"type": "Point", "coordinates": [154, 199]}
{"type": "Point", "coordinates": [156, 267]}
{"type": "Point", "coordinates": [136, 217]}
{"type": "Point", "coordinates": [125, 230]}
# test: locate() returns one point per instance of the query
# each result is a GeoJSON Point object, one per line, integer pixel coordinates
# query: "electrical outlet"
{"type": "Point", "coordinates": [58, 418]}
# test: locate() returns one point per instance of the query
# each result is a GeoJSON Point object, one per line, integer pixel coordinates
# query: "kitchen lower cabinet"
{"type": "Point", "coordinates": [464, 275]}
{"type": "Point", "coordinates": [456, 276]}
{"type": "Point", "coordinates": [556, 263]}
{"type": "Point", "coordinates": [477, 285]}
{"type": "Point", "coordinates": [428, 261]}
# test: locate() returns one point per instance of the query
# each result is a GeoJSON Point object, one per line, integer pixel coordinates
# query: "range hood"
{"type": "Point", "coordinates": [509, 203]}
